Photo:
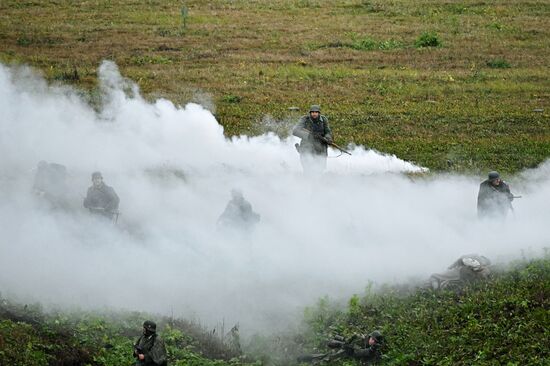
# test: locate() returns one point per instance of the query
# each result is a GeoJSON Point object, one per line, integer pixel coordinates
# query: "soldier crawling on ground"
{"type": "Point", "coordinates": [367, 350]}
{"type": "Point", "coordinates": [466, 269]}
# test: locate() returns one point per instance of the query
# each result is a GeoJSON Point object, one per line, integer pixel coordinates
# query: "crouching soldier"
{"type": "Point", "coordinates": [238, 213]}
{"type": "Point", "coordinates": [494, 198]}
{"type": "Point", "coordinates": [102, 199]}
{"type": "Point", "coordinates": [149, 350]}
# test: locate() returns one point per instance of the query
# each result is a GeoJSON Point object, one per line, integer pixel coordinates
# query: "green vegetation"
{"type": "Point", "coordinates": [469, 85]}
{"type": "Point", "coordinates": [427, 39]}
{"type": "Point", "coordinates": [500, 322]}
{"type": "Point", "coordinates": [29, 336]}
{"type": "Point", "coordinates": [503, 321]}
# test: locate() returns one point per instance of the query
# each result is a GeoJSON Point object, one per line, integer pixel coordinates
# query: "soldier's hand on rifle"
{"type": "Point", "coordinates": [320, 138]}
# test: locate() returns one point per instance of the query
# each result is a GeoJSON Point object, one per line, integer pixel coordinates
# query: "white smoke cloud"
{"type": "Point", "coordinates": [173, 169]}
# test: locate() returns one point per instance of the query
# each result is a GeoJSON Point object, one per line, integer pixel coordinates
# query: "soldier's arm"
{"type": "Point", "coordinates": [364, 353]}
{"type": "Point", "coordinates": [87, 202]}
{"type": "Point", "coordinates": [300, 129]}
{"type": "Point", "coordinates": [158, 352]}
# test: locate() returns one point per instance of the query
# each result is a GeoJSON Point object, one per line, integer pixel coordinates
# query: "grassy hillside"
{"type": "Point", "coordinates": [504, 321]}
{"type": "Point", "coordinates": [30, 337]}
{"type": "Point", "coordinates": [457, 85]}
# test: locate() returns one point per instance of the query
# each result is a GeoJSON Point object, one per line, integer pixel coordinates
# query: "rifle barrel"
{"type": "Point", "coordinates": [339, 148]}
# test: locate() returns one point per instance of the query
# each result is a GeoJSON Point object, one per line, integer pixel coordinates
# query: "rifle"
{"type": "Point", "coordinates": [330, 143]}
{"type": "Point", "coordinates": [336, 146]}
{"type": "Point", "coordinates": [338, 343]}
{"type": "Point", "coordinates": [322, 358]}
{"type": "Point", "coordinates": [111, 214]}
{"type": "Point", "coordinates": [137, 350]}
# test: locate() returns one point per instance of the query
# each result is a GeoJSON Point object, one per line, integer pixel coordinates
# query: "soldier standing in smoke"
{"type": "Point", "coordinates": [101, 199]}
{"type": "Point", "coordinates": [149, 350]}
{"type": "Point", "coordinates": [315, 133]}
{"type": "Point", "coordinates": [494, 198]}
{"type": "Point", "coordinates": [238, 213]}
{"type": "Point", "coordinates": [50, 183]}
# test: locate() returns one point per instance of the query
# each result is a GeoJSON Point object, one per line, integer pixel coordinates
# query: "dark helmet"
{"type": "Point", "coordinates": [378, 337]}
{"type": "Point", "coordinates": [315, 108]}
{"type": "Point", "coordinates": [150, 325]}
{"type": "Point", "coordinates": [96, 175]}
{"type": "Point", "coordinates": [493, 175]}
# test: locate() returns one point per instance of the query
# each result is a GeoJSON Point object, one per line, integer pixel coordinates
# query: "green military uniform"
{"type": "Point", "coordinates": [370, 354]}
{"type": "Point", "coordinates": [101, 199]}
{"type": "Point", "coordinates": [466, 269]}
{"type": "Point", "coordinates": [494, 199]}
{"type": "Point", "coordinates": [315, 133]}
{"type": "Point", "coordinates": [151, 346]}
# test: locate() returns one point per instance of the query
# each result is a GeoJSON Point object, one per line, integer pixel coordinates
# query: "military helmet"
{"type": "Point", "coordinates": [493, 175]}
{"type": "Point", "coordinates": [150, 325]}
{"type": "Point", "coordinates": [377, 335]}
{"type": "Point", "coordinates": [315, 108]}
{"type": "Point", "coordinates": [96, 175]}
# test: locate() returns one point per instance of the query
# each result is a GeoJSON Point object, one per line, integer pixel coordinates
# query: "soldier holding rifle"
{"type": "Point", "coordinates": [316, 136]}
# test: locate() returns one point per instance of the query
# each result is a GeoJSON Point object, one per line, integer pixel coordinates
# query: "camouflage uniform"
{"type": "Point", "coordinates": [370, 354]}
{"type": "Point", "coordinates": [466, 269]}
{"type": "Point", "coordinates": [494, 200]}
{"type": "Point", "coordinates": [153, 349]}
{"type": "Point", "coordinates": [102, 200]}
{"type": "Point", "coordinates": [312, 148]}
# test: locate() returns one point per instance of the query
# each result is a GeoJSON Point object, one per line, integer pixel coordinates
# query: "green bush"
{"type": "Point", "coordinates": [427, 39]}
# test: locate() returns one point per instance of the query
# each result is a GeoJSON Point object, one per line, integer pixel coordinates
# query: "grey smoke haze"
{"type": "Point", "coordinates": [364, 220]}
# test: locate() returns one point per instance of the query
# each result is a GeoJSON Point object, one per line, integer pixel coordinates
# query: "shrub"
{"type": "Point", "coordinates": [427, 39]}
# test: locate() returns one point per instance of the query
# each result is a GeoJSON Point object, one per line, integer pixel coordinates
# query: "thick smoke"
{"type": "Point", "coordinates": [364, 220]}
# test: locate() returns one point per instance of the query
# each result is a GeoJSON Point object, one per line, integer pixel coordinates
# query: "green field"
{"type": "Point", "coordinates": [451, 85]}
